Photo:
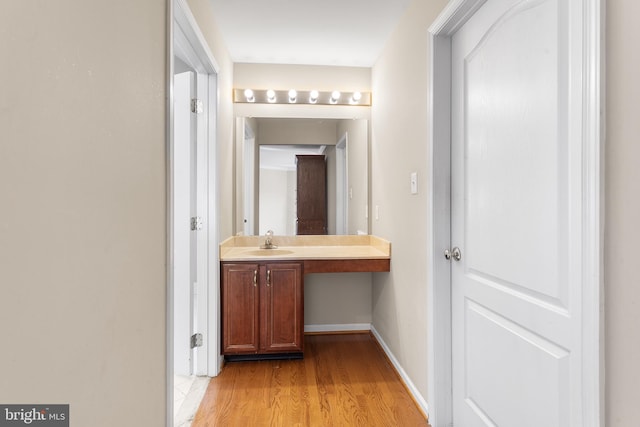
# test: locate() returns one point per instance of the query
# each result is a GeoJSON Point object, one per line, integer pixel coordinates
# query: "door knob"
{"type": "Point", "coordinates": [453, 253]}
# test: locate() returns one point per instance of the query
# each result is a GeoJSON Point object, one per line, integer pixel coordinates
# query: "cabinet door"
{"type": "Point", "coordinates": [240, 308]}
{"type": "Point", "coordinates": [282, 307]}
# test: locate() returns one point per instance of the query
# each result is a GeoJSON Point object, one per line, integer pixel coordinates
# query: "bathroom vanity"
{"type": "Point", "coordinates": [262, 290]}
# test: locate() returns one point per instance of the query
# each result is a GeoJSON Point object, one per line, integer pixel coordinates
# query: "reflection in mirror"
{"type": "Point", "coordinates": [280, 190]}
{"type": "Point", "coordinates": [266, 196]}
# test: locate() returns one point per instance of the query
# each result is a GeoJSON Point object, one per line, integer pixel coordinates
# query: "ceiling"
{"type": "Point", "coordinates": [312, 32]}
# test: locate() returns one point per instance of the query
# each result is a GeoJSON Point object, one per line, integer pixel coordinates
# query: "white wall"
{"type": "Point", "coordinates": [275, 201]}
{"type": "Point", "coordinates": [83, 216]}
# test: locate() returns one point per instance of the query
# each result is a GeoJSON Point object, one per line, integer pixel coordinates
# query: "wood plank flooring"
{"type": "Point", "coordinates": [343, 380]}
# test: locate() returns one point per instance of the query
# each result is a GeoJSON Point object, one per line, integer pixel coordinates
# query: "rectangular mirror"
{"type": "Point", "coordinates": [266, 184]}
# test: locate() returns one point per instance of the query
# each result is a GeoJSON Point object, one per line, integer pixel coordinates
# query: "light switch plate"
{"type": "Point", "coordinates": [414, 182]}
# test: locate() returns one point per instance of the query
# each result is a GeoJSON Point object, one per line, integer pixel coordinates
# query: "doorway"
{"type": "Point", "coordinates": [192, 291]}
{"type": "Point", "coordinates": [479, 296]}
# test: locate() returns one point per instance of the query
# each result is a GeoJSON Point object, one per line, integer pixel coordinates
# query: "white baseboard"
{"type": "Point", "coordinates": [420, 400]}
{"type": "Point", "coordinates": [338, 328]}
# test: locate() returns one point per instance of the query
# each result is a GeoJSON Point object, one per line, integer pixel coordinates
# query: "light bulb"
{"type": "Point", "coordinates": [292, 95]}
{"type": "Point", "coordinates": [313, 96]}
{"type": "Point", "coordinates": [356, 97]}
{"type": "Point", "coordinates": [271, 95]}
{"type": "Point", "coordinates": [248, 94]}
{"type": "Point", "coordinates": [335, 96]}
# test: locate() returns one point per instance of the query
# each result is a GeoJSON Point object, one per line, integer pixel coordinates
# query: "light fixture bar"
{"type": "Point", "coordinates": [301, 97]}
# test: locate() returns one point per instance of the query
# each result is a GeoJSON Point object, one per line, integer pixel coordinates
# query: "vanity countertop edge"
{"type": "Point", "coordinates": [326, 253]}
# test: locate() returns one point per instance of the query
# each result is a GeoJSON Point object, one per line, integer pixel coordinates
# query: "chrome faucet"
{"type": "Point", "coordinates": [268, 241]}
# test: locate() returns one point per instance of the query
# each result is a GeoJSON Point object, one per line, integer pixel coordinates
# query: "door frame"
{"type": "Point", "coordinates": [342, 181]}
{"type": "Point", "coordinates": [192, 47]}
{"type": "Point", "coordinates": [247, 176]}
{"type": "Point", "coordinates": [439, 381]}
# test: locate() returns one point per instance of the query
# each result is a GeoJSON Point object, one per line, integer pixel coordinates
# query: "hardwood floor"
{"type": "Point", "coordinates": [343, 380]}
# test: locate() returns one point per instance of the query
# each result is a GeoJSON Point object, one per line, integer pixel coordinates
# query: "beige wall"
{"type": "Point", "coordinates": [82, 184]}
{"type": "Point", "coordinates": [302, 77]}
{"type": "Point", "coordinates": [82, 217]}
{"type": "Point", "coordinates": [339, 300]}
{"type": "Point", "coordinates": [622, 211]}
{"type": "Point", "coordinates": [296, 132]}
{"type": "Point", "coordinates": [399, 146]}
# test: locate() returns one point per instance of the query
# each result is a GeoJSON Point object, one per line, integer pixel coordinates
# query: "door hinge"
{"type": "Point", "coordinates": [196, 223]}
{"type": "Point", "coordinates": [197, 106]}
{"type": "Point", "coordinates": [196, 340]}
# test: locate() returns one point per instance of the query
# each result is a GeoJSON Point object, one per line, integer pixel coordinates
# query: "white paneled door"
{"type": "Point", "coordinates": [517, 215]}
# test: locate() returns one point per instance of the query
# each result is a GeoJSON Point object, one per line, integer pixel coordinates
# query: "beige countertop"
{"type": "Point", "coordinates": [246, 248]}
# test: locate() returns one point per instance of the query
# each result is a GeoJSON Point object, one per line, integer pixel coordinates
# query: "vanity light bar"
{"type": "Point", "coordinates": [310, 97]}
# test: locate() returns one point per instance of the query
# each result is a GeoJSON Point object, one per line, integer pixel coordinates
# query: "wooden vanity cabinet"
{"type": "Point", "coordinates": [262, 308]}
